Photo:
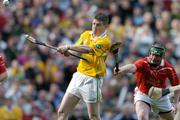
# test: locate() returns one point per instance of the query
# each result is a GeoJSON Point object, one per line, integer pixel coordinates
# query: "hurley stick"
{"type": "Point", "coordinates": [114, 49]}
{"type": "Point", "coordinates": [35, 41]}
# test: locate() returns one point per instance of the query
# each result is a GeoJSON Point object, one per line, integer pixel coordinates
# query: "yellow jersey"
{"type": "Point", "coordinates": [101, 45]}
{"type": "Point", "coordinates": [14, 114]}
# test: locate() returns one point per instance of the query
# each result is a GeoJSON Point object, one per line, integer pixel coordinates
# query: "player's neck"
{"type": "Point", "coordinates": [95, 35]}
{"type": "Point", "coordinates": [154, 66]}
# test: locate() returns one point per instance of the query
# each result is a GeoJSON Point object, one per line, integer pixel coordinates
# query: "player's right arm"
{"type": "Point", "coordinates": [129, 68]}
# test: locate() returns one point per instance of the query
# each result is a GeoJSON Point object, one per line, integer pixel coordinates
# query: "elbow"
{"type": "Point", "coordinates": [88, 50]}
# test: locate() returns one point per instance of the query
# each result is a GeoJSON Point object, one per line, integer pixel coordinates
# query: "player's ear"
{"type": "Point", "coordinates": [150, 50]}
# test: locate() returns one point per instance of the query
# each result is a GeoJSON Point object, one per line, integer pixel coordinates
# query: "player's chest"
{"type": "Point", "coordinates": [90, 41]}
{"type": "Point", "coordinates": [157, 73]}
{"type": "Point", "coordinates": [155, 77]}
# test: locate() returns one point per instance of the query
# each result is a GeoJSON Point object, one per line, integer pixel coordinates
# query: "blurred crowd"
{"type": "Point", "coordinates": [38, 76]}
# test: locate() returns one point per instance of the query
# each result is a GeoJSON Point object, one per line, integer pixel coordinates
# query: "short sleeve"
{"type": "Point", "coordinates": [139, 64]}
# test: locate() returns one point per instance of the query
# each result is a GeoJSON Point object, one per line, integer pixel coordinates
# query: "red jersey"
{"type": "Point", "coordinates": [148, 76]}
{"type": "Point", "coordinates": [2, 65]}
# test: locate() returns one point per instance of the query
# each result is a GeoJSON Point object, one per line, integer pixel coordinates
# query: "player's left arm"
{"type": "Point", "coordinates": [78, 46]}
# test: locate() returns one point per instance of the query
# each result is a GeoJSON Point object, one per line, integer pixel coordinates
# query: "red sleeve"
{"type": "Point", "coordinates": [2, 65]}
{"type": "Point", "coordinates": [139, 64]}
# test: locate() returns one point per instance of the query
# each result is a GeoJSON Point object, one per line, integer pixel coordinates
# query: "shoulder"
{"type": "Point", "coordinates": [167, 63]}
{"type": "Point", "coordinates": [141, 63]}
{"type": "Point", "coordinates": [86, 32]}
{"type": "Point", "coordinates": [105, 39]}
{"type": "Point", "coordinates": [166, 66]}
{"type": "Point", "coordinates": [142, 60]}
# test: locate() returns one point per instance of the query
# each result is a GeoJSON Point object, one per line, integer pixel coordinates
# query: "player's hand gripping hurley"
{"type": "Point", "coordinates": [35, 41]}
{"type": "Point", "coordinates": [114, 49]}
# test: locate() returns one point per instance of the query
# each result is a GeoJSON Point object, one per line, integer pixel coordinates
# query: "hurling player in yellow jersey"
{"type": "Point", "coordinates": [87, 81]}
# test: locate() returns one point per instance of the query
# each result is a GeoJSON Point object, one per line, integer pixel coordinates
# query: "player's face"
{"type": "Point", "coordinates": [98, 27]}
{"type": "Point", "coordinates": [155, 59]}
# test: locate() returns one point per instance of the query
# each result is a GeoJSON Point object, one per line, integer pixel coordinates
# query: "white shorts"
{"type": "Point", "coordinates": [158, 106]}
{"type": "Point", "coordinates": [86, 87]}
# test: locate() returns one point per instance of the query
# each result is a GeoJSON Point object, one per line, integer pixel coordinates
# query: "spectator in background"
{"type": "Point", "coordinates": [125, 90]}
{"type": "Point", "coordinates": [116, 29]}
{"type": "Point", "coordinates": [15, 91]}
{"type": "Point", "coordinates": [55, 95]}
{"type": "Point", "coordinates": [137, 16]}
{"type": "Point", "coordinates": [87, 81]}
{"type": "Point", "coordinates": [143, 38]}
{"type": "Point", "coordinates": [175, 36]}
{"type": "Point", "coordinates": [127, 113]}
{"type": "Point", "coordinates": [10, 111]}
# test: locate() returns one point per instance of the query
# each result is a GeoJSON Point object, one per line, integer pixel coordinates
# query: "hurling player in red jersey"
{"type": "Point", "coordinates": [3, 72]}
{"type": "Point", "coordinates": [152, 70]}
